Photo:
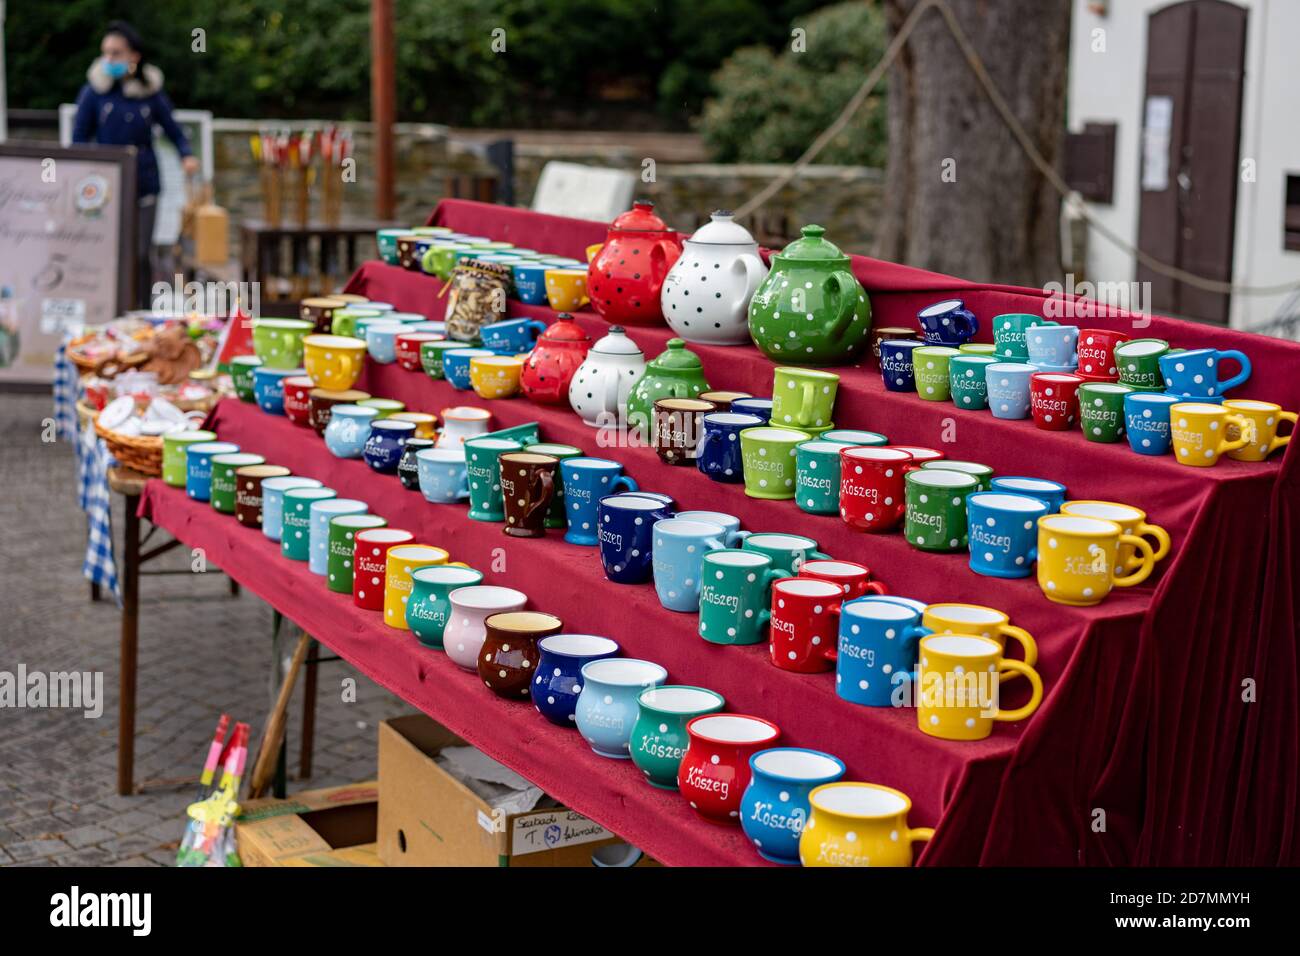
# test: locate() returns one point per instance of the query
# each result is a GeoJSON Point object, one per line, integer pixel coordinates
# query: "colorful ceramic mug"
{"type": "Point", "coordinates": [853, 436]}
{"type": "Point", "coordinates": [295, 531]}
{"type": "Point", "coordinates": [1139, 363]}
{"type": "Point", "coordinates": [442, 476]}
{"type": "Point", "coordinates": [930, 368]}
{"type": "Point", "coordinates": [735, 596]}
{"type": "Point", "coordinates": [370, 564]}
{"type": "Point", "coordinates": [872, 489]}
{"type": "Point", "coordinates": [1078, 559]}
{"type": "Point", "coordinates": [625, 525]}
{"type": "Point", "coordinates": [896, 364]}
{"type": "Point", "coordinates": [381, 339]}
{"type": "Point", "coordinates": [508, 659]}
{"type": "Point", "coordinates": [607, 704]}
{"type": "Point", "coordinates": [586, 481]}
{"type": "Point", "coordinates": [853, 579]}
{"type": "Point", "coordinates": [456, 366]}
{"type": "Point", "coordinates": [566, 289]}
{"type": "Point", "coordinates": [769, 461]}
{"type": "Point", "coordinates": [273, 490]}
{"type": "Point", "coordinates": [1096, 350]}
{"type": "Point", "coordinates": [248, 492]}
{"type": "Point", "coordinates": [659, 739]}
{"type": "Point", "coordinates": [384, 445]}
{"type": "Point", "coordinates": [175, 462]}
{"type": "Point", "coordinates": [758, 407]}
{"type": "Point", "coordinates": [511, 335]}
{"type": "Point", "coordinates": [278, 342]}
{"type": "Point", "coordinates": [1053, 345]}
{"type": "Point", "coordinates": [429, 606]}
{"type": "Point", "coordinates": [981, 621]}
{"type": "Point", "coordinates": [349, 429]}
{"type": "Point", "coordinates": [1101, 410]}
{"type": "Point", "coordinates": [1007, 387]}
{"type": "Point", "coordinates": [805, 619]}
{"type": "Point", "coordinates": [859, 824]}
{"type": "Point", "coordinates": [714, 771]}
{"type": "Point", "coordinates": [221, 494]}
{"type": "Point", "coordinates": [399, 562]}
{"type": "Point", "coordinates": [958, 687]}
{"type": "Point", "coordinates": [1146, 420]}
{"type": "Point", "coordinates": [1200, 432]}
{"type": "Point", "coordinates": [817, 477]}
{"type": "Point", "coordinates": [410, 341]}
{"type": "Point", "coordinates": [431, 356]}
{"type": "Point", "coordinates": [676, 428]}
{"type": "Point", "coordinates": [482, 464]}
{"type": "Point", "coordinates": [680, 545]}
{"type": "Point", "coordinates": [556, 517]}
{"type": "Point", "coordinates": [936, 508]}
{"type": "Point", "coordinates": [774, 807]}
{"type": "Point", "coordinates": [1050, 493]}
{"type": "Point", "coordinates": [320, 514]}
{"type": "Point", "coordinates": [471, 606]}
{"type": "Point", "coordinates": [1009, 331]}
{"type": "Point", "coordinates": [297, 399]}
{"type": "Point", "coordinates": [241, 375]}
{"type": "Point", "coordinates": [558, 682]}
{"type": "Point", "coordinates": [341, 546]}
{"type": "Point", "coordinates": [268, 387]}
{"type": "Point", "coordinates": [876, 653]}
{"type": "Point", "coordinates": [967, 384]}
{"type": "Point", "coordinates": [982, 473]}
{"type": "Point", "coordinates": [495, 376]}
{"type": "Point", "coordinates": [1195, 373]}
{"type": "Point", "coordinates": [1054, 400]}
{"type": "Point", "coordinates": [803, 397]}
{"type": "Point", "coordinates": [1003, 533]}
{"type": "Point", "coordinates": [527, 490]}
{"type": "Point", "coordinates": [787, 551]}
{"type": "Point", "coordinates": [1131, 521]}
{"type": "Point", "coordinates": [947, 323]}
{"type": "Point", "coordinates": [321, 402]}
{"type": "Point", "coordinates": [1262, 438]}
{"type": "Point", "coordinates": [319, 311]}
{"type": "Point", "coordinates": [333, 361]}
{"type": "Point", "coordinates": [718, 453]}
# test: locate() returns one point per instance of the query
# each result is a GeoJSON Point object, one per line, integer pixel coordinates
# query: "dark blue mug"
{"type": "Point", "coordinates": [530, 282]}
{"type": "Point", "coordinates": [1146, 421]}
{"type": "Point", "coordinates": [896, 364]}
{"type": "Point", "coordinates": [586, 481]}
{"type": "Point", "coordinates": [1194, 373]}
{"type": "Point", "coordinates": [718, 452]}
{"type": "Point", "coordinates": [624, 528]}
{"type": "Point", "coordinates": [512, 335]}
{"type": "Point", "coordinates": [455, 365]}
{"type": "Point", "coordinates": [386, 443]}
{"type": "Point", "coordinates": [947, 323]}
{"type": "Point", "coordinates": [558, 682]}
{"type": "Point", "coordinates": [758, 407]}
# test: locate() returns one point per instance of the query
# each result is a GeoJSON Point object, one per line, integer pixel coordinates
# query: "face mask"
{"type": "Point", "coordinates": [117, 70]}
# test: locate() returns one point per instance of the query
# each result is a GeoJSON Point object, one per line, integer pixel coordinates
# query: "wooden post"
{"type": "Point", "coordinates": [383, 103]}
{"type": "Point", "coordinates": [127, 655]}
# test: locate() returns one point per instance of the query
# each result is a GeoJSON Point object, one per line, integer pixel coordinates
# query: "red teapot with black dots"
{"type": "Point", "coordinates": [555, 358]}
{"type": "Point", "coordinates": [624, 279]}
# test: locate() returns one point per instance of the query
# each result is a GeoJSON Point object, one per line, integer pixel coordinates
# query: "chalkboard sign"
{"type": "Point", "coordinates": [67, 248]}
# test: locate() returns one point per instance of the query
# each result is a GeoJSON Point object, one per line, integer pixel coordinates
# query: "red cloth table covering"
{"type": "Point", "coordinates": [1143, 717]}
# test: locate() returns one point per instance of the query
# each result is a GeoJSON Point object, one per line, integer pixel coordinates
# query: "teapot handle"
{"type": "Point", "coordinates": [754, 270]}
{"type": "Point", "coordinates": [845, 304]}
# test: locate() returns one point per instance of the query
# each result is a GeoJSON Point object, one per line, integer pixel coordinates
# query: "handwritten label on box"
{"type": "Point", "coordinates": [536, 832]}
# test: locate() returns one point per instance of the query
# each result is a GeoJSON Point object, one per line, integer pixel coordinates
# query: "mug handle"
{"type": "Point", "coordinates": [1035, 697]}
{"type": "Point", "coordinates": [1243, 437]}
{"type": "Point", "coordinates": [626, 481]}
{"type": "Point", "coordinates": [912, 634]}
{"type": "Point", "coordinates": [1161, 536]}
{"type": "Point", "coordinates": [832, 649]}
{"type": "Point", "coordinates": [1146, 564]}
{"type": "Point", "coordinates": [1281, 441]}
{"type": "Point", "coordinates": [1027, 643]}
{"type": "Point", "coordinates": [547, 482]}
{"type": "Point", "coordinates": [819, 556]}
{"type": "Point", "coordinates": [919, 834]}
{"type": "Point", "coordinates": [877, 587]}
{"type": "Point", "coordinates": [973, 324]}
{"type": "Point", "coordinates": [1242, 375]}
{"type": "Point", "coordinates": [742, 535]}
{"type": "Point", "coordinates": [536, 325]}
{"type": "Point", "coordinates": [808, 396]}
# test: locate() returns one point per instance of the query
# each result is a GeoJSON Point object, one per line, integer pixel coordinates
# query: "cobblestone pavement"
{"type": "Point", "coordinates": [202, 652]}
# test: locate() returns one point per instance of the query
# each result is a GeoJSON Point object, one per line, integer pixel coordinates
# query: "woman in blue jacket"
{"type": "Point", "coordinates": [122, 100]}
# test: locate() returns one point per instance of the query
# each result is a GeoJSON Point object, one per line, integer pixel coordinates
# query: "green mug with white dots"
{"type": "Point", "coordinates": [930, 369]}
{"type": "Point", "coordinates": [768, 457]}
{"type": "Point", "coordinates": [342, 545]}
{"type": "Point", "coordinates": [936, 508]}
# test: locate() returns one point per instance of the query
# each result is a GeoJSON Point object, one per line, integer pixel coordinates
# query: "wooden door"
{"type": "Point", "coordinates": [1188, 172]}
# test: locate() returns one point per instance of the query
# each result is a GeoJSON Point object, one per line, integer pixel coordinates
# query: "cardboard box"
{"type": "Point", "coordinates": [429, 818]}
{"type": "Point", "coordinates": [330, 827]}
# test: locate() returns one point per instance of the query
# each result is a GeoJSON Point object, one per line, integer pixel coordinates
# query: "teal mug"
{"type": "Point", "coordinates": [736, 596]}
{"type": "Point", "coordinates": [817, 477]}
{"type": "Point", "coordinates": [428, 607]}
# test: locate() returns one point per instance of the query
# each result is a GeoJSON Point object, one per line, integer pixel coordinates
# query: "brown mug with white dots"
{"type": "Point", "coordinates": [248, 491]}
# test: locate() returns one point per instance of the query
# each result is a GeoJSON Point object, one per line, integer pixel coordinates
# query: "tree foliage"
{"type": "Point", "coordinates": [769, 107]}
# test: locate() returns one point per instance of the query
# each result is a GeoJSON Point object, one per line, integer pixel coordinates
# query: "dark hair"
{"type": "Point", "coordinates": [127, 33]}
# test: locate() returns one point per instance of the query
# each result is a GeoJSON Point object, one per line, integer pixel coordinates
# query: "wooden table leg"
{"type": "Point", "coordinates": [308, 742]}
{"type": "Point", "coordinates": [129, 647]}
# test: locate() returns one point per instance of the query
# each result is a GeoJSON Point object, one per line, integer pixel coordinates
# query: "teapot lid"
{"type": "Point", "coordinates": [564, 329]}
{"type": "Point", "coordinates": [811, 245]}
{"type": "Point", "coordinates": [616, 343]}
{"type": "Point", "coordinates": [723, 230]}
{"type": "Point", "coordinates": [677, 357]}
{"type": "Point", "coordinates": [640, 218]}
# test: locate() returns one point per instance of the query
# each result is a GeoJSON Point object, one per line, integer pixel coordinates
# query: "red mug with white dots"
{"type": "Point", "coordinates": [1096, 350]}
{"type": "Point", "coordinates": [853, 579]}
{"type": "Point", "coordinates": [804, 625]}
{"type": "Point", "coordinates": [872, 494]}
{"type": "Point", "coordinates": [370, 564]}
{"type": "Point", "coordinates": [714, 771]}
{"type": "Point", "coordinates": [1054, 400]}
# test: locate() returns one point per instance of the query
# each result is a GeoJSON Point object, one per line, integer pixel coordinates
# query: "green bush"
{"type": "Point", "coordinates": [768, 108]}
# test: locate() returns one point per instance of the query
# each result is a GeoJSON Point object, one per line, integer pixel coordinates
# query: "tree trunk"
{"type": "Point", "coordinates": [961, 196]}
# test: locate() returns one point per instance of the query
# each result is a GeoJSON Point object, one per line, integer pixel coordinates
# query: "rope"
{"type": "Point", "coordinates": [1022, 138]}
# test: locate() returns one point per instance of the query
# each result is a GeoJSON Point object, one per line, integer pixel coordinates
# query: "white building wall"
{"type": "Point", "coordinates": [1107, 81]}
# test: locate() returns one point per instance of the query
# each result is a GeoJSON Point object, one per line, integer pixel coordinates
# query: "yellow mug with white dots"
{"type": "Point", "coordinates": [566, 289]}
{"type": "Point", "coordinates": [400, 562]}
{"type": "Point", "coordinates": [1262, 436]}
{"type": "Point", "coordinates": [858, 824]}
{"type": "Point", "coordinates": [1079, 559]}
{"type": "Point", "coordinates": [1200, 432]}
{"type": "Point", "coordinates": [957, 687]}
{"type": "Point", "coordinates": [982, 622]}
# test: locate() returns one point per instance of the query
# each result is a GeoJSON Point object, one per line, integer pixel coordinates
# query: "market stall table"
{"type": "Point", "coordinates": [1142, 716]}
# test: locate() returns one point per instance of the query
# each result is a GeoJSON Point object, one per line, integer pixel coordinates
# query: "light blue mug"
{"type": "Point", "coordinates": [318, 533]}
{"type": "Point", "coordinates": [1008, 388]}
{"type": "Point", "coordinates": [381, 338]}
{"type": "Point", "coordinates": [1194, 373]}
{"type": "Point", "coordinates": [443, 477]}
{"type": "Point", "coordinates": [349, 429]}
{"type": "Point", "coordinates": [1055, 345]}
{"type": "Point", "coordinates": [273, 490]}
{"type": "Point", "coordinates": [877, 651]}
{"type": "Point", "coordinates": [586, 481]}
{"type": "Point", "coordinates": [731, 532]}
{"type": "Point", "coordinates": [607, 704]}
{"type": "Point", "coordinates": [1003, 533]}
{"type": "Point", "coordinates": [1146, 421]}
{"type": "Point", "coordinates": [679, 549]}
{"type": "Point", "coordinates": [198, 466]}
{"type": "Point", "coordinates": [1050, 493]}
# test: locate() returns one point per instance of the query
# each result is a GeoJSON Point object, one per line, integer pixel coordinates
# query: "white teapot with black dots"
{"type": "Point", "coordinates": [600, 387]}
{"type": "Point", "coordinates": [706, 295]}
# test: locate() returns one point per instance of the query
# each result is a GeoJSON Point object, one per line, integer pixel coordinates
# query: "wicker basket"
{"type": "Point", "coordinates": [142, 453]}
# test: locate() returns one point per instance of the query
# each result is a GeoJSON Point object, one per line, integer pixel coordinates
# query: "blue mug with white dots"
{"type": "Point", "coordinates": [1003, 533]}
{"type": "Point", "coordinates": [759, 407]}
{"type": "Point", "coordinates": [268, 387]}
{"type": "Point", "coordinates": [896, 364]}
{"type": "Point", "coordinates": [586, 481]}
{"type": "Point", "coordinates": [680, 545]}
{"type": "Point", "coordinates": [947, 323]}
{"type": "Point", "coordinates": [1050, 493]}
{"type": "Point", "coordinates": [1146, 421]}
{"type": "Point", "coordinates": [1194, 373]}
{"type": "Point", "coordinates": [774, 807]}
{"type": "Point", "coordinates": [878, 641]}
{"type": "Point", "coordinates": [198, 466]}
{"type": "Point", "coordinates": [1007, 388]}
{"type": "Point", "coordinates": [558, 681]}
{"type": "Point", "coordinates": [717, 454]}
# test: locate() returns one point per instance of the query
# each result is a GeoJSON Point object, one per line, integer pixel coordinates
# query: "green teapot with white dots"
{"type": "Point", "coordinates": [675, 373]}
{"type": "Point", "coordinates": [810, 310]}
